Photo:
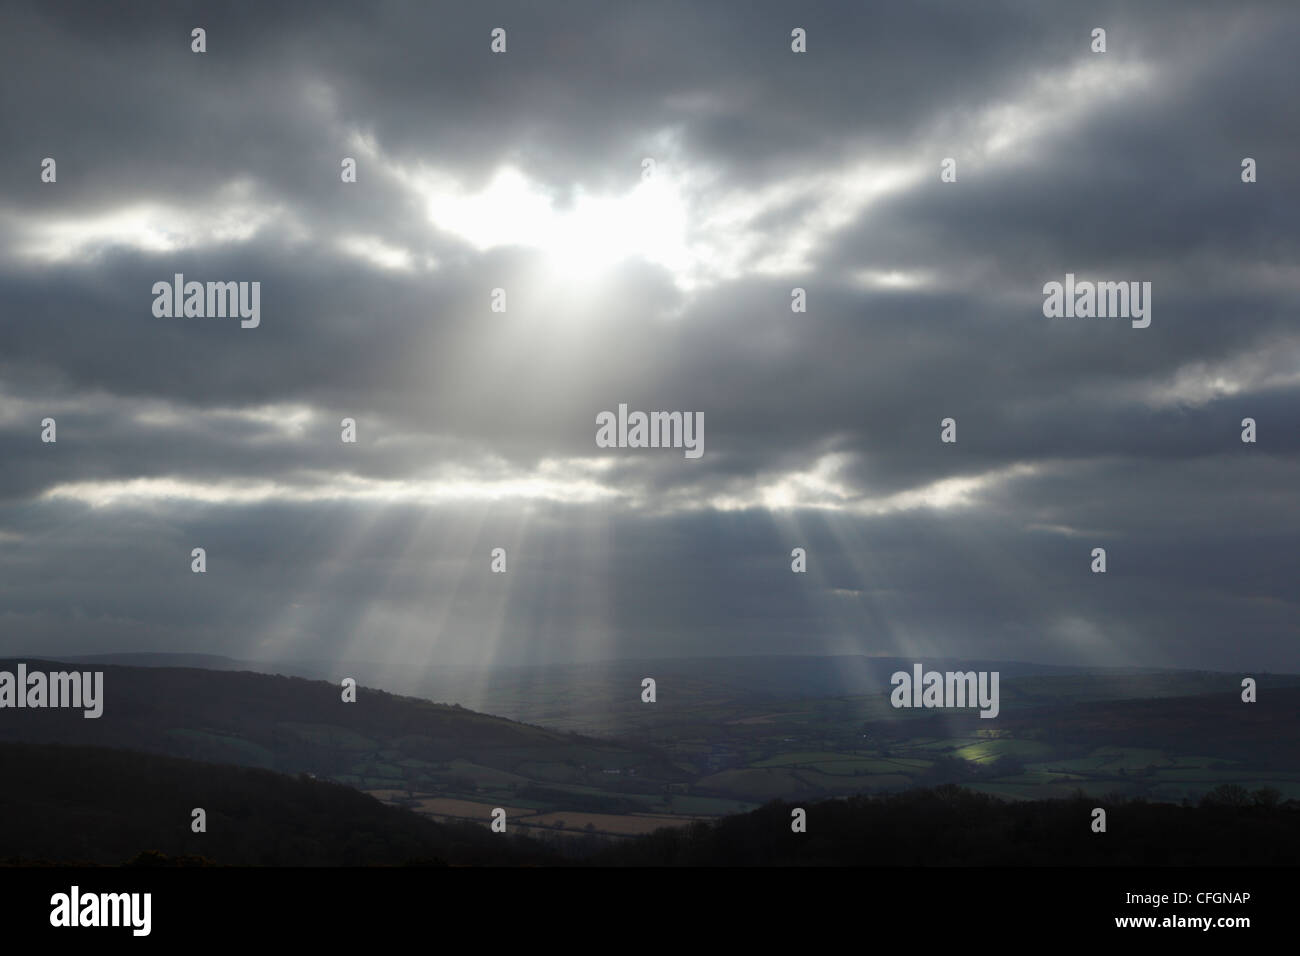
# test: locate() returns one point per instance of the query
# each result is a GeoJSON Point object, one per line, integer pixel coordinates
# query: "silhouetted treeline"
{"type": "Point", "coordinates": [951, 826]}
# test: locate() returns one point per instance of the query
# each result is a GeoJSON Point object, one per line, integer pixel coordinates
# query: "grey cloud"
{"type": "Point", "coordinates": [1142, 186]}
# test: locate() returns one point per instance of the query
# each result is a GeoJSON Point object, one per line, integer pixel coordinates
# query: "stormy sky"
{"type": "Point", "coordinates": [663, 288]}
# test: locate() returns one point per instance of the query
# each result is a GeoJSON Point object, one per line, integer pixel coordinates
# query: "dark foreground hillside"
{"type": "Point", "coordinates": [952, 826]}
{"type": "Point", "coordinates": [63, 804]}
{"type": "Point", "coordinates": [97, 805]}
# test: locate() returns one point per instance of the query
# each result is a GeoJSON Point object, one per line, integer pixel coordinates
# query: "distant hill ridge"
{"type": "Point", "coordinates": [293, 725]}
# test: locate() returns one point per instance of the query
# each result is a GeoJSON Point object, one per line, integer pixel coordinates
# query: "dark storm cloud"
{"type": "Point", "coordinates": [1123, 438]}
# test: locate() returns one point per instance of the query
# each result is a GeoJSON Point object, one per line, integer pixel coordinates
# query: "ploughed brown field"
{"type": "Point", "coordinates": [576, 823]}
